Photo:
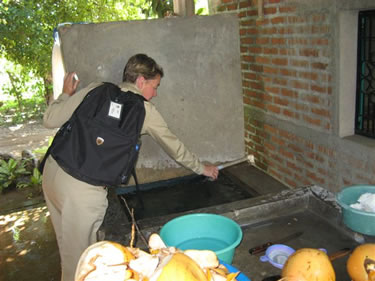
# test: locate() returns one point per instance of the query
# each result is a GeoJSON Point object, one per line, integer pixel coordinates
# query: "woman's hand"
{"type": "Point", "coordinates": [211, 171]}
{"type": "Point", "coordinates": [70, 83]}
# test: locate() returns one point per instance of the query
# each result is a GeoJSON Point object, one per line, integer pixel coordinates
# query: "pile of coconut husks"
{"type": "Point", "coordinates": [111, 261]}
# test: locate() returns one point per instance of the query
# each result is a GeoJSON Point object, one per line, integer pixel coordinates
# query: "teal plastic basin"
{"type": "Point", "coordinates": [357, 220]}
{"type": "Point", "coordinates": [203, 232]}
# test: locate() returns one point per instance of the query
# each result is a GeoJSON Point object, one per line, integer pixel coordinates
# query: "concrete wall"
{"type": "Point", "coordinates": [298, 75]}
{"type": "Point", "coordinates": [200, 96]}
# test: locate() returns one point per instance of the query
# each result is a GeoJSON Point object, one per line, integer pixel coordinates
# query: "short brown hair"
{"type": "Point", "coordinates": [141, 64]}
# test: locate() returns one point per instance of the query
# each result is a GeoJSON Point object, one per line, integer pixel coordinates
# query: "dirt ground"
{"type": "Point", "coordinates": [13, 140]}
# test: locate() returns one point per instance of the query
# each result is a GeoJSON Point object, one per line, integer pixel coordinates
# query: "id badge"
{"type": "Point", "coordinates": [115, 110]}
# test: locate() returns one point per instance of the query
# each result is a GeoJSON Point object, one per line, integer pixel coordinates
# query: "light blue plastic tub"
{"type": "Point", "coordinates": [203, 232]}
{"type": "Point", "coordinates": [357, 220]}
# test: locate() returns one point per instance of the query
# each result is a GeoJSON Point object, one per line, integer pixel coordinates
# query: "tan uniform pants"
{"type": "Point", "coordinates": [77, 210]}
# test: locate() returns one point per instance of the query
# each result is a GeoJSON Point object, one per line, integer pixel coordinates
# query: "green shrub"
{"type": "Point", "coordinates": [34, 182]}
{"type": "Point", "coordinates": [11, 172]}
{"type": "Point", "coordinates": [32, 110]}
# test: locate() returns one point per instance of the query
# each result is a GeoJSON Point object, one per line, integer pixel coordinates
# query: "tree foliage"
{"type": "Point", "coordinates": [26, 27]}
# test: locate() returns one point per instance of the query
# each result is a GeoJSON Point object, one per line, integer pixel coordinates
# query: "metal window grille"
{"type": "Point", "coordinates": [365, 95]}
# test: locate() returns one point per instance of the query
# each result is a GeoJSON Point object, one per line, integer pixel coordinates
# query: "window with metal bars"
{"type": "Point", "coordinates": [365, 95]}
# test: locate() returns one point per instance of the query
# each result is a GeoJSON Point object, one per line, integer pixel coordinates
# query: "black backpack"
{"type": "Point", "coordinates": [99, 144]}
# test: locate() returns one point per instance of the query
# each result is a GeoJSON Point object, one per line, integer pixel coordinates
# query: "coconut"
{"type": "Point", "coordinates": [108, 260]}
{"type": "Point", "coordinates": [182, 268]}
{"type": "Point", "coordinates": [308, 264]}
{"type": "Point", "coordinates": [104, 259]}
{"type": "Point", "coordinates": [361, 263]}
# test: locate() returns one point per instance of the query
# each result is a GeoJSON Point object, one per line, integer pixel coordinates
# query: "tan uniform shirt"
{"type": "Point", "coordinates": [60, 110]}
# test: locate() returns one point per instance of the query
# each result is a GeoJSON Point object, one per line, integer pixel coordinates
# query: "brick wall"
{"type": "Point", "coordinates": [288, 61]}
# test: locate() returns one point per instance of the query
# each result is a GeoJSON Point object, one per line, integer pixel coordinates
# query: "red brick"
{"type": "Point", "coordinates": [244, 4]}
{"type": "Point", "coordinates": [245, 84]}
{"type": "Point", "coordinates": [318, 18]}
{"type": "Point", "coordinates": [278, 20]}
{"type": "Point", "coordinates": [296, 19]}
{"type": "Point", "coordinates": [273, 108]}
{"type": "Point", "coordinates": [288, 113]}
{"type": "Point", "coordinates": [246, 100]}
{"type": "Point", "coordinates": [304, 162]}
{"type": "Point", "coordinates": [263, 60]}
{"type": "Point", "coordinates": [312, 121]}
{"type": "Point", "coordinates": [269, 31]}
{"type": "Point", "coordinates": [312, 99]}
{"type": "Point", "coordinates": [255, 50]}
{"type": "Point", "coordinates": [289, 93]}
{"type": "Point", "coordinates": [315, 178]}
{"type": "Point", "coordinates": [302, 179]}
{"type": "Point", "coordinates": [246, 40]}
{"type": "Point", "coordinates": [258, 104]}
{"type": "Point", "coordinates": [243, 31]}
{"type": "Point", "coordinates": [300, 107]}
{"type": "Point", "coordinates": [291, 183]}
{"type": "Point", "coordinates": [270, 129]}
{"type": "Point", "coordinates": [270, 70]}
{"type": "Point", "coordinates": [299, 63]}
{"type": "Point", "coordinates": [262, 40]}
{"type": "Point", "coordinates": [274, 174]}
{"type": "Point", "coordinates": [309, 52]}
{"type": "Point", "coordinates": [280, 81]}
{"type": "Point", "coordinates": [326, 150]}
{"type": "Point", "coordinates": [248, 58]}
{"type": "Point", "coordinates": [288, 72]}
{"type": "Point", "coordinates": [252, 31]}
{"type": "Point", "coordinates": [320, 66]}
{"type": "Point", "coordinates": [278, 41]}
{"type": "Point", "coordinates": [247, 22]}
{"type": "Point", "coordinates": [252, 13]}
{"type": "Point", "coordinates": [232, 7]}
{"type": "Point", "coordinates": [256, 85]}
{"type": "Point", "coordinates": [270, 51]}
{"type": "Point", "coordinates": [309, 145]}
{"type": "Point", "coordinates": [250, 94]}
{"type": "Point", "coordinates": [269, 10]}
{"type": "Point", "coordinates": [260, 22]}
{"type": "Point", "coordinates": [320, 29]}
{"type": "Point", "coordinates": [321, 112]}
{"type": "Point", "coordinates": [308, 75]}
{"type": "Point", "coordinates": [319, 89]}
{"type": "Point", "coordinates": [273, 90]}
{"type": "Point", "coordinates": [286, 154]}
{"type": "Point", "coordinates": [287, 9]}
{"type": "Point", "coordinates": [298, 41]}
{"type": "Point", "coordinates": [295, 148]}
{"type": "Point", "coordinates": [269, 146]}
{"type": "Point", "coordinates": [242, 14]}
{"type": "Point", "coordinates": [265, 79]}
{"type": "Point", "coordinates": [280, 101]}
{"type": "Point", "coordinates": [280, 61]}
{"type": "Point", "coordinates": [286, 30]}
{"type": "Point", "coordinates": [299, 85]}
{"type": "Point", "coordinates": [320, 41]}
{"type": "Point", "coordinates": [293, 166]}
{"type": "Point", "coordinates": [278, 141]}
{"type": "Point", "coordinates": [285, 171]}
{"type": "Point", "coordinates": [249, 75]}
{"type": "Point", "coordinates": [287, 51]}
{"type": "Point", "coordinates": [244, 66]}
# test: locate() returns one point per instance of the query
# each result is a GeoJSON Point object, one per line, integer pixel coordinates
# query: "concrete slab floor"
{"type": "Point", "coordinates": [28, 249]}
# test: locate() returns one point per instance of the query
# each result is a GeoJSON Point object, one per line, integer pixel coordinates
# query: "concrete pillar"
{"type": "Point", "coordinates": [184, 8]}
